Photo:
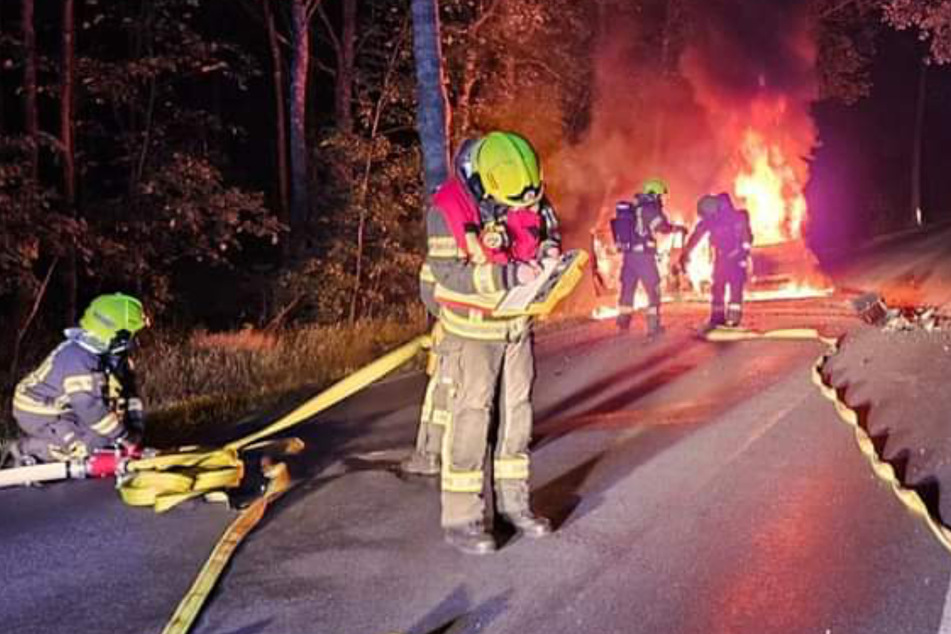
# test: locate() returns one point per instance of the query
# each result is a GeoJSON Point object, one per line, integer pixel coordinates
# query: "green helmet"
{"type": "Point", "coordinates": [109, 316]}
{"type": "Point", "coordinates": [655, 187]}
{"type": "Point", "coordinates": [509, 169]}
{"type": "Point", "coordinates": [708, 205]}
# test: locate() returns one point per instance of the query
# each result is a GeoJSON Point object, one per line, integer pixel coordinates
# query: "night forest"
{"type": "Point", "coordinates": [256, 163]}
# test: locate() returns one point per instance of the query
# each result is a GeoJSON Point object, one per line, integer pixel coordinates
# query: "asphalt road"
{"type": "Point", "coordinates": [696, 487]}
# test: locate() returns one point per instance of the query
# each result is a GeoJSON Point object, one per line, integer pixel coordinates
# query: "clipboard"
{"type": "Point", "coordinates": [556, 282]}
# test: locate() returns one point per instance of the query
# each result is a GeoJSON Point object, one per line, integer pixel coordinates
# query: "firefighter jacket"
{"type": "Point", "coordinates": [80, 383]}
{"type": "Point", "coordinates": [636, 222]}
{"type": "Point", "coordinates": [472, 253]}
{"type": "Point", "coordinates": [731, 236]}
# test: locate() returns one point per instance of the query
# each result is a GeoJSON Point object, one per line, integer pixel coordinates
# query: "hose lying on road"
{"type": "Point", "coordinates": [886, 472]}
{"type": "Point", "coordinates": [167, 480]}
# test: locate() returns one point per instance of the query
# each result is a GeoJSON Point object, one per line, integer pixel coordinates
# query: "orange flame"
{"type": "Point", "coordinates": [768, 187]}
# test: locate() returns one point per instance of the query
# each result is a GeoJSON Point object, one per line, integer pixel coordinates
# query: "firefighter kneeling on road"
{"type": "Point", "coordinates": [634, 227]}
{"type": "Point", "coordinates": [731, 238]}
{"type": "Point", "coordinates": [489, 230]}
{"type": "Point", "coordinates": [82, 397]}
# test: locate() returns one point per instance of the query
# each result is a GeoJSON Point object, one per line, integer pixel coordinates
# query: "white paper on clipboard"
{"type": "Point", "coordinates": [520, 297]}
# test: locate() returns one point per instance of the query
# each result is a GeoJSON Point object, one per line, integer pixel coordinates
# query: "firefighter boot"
{"type": "Point", "coordinates": [422, 463]}
{"type": "Point", "coordinates": [471, 538]}
{"type": "Point", "coordinates": [734, 314]}
{"type": "Point", "coordinates": [12, 456]}
{"type": "Point", "coordinates": [654, 329]}
{"type": "Point", "coordinates": [514, 507]}
{"type": "Point", "coordinates": [529, 524]}
{"type": "Point", "coordinates": [623, 322]}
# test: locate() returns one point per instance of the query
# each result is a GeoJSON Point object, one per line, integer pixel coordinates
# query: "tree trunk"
{"type": "Point", "coordinates": [280, 122]}
{"type": "Point", "coordinates": [917, 144]}
{"type": "Point", "coordinates": [300, 61]}
{"type": "Point", "coordinates": [67, 137]}
{"type": "Point", "coordinates": [30, 116]}
{"type": "Point", "coordinates": [432, 108]}
{"type": "Point", "coordinates": [343, 94]}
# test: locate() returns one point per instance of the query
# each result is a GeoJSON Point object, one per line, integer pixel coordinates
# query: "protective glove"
{"type": "Point", "coordinates": [527, 272]}
{"type": "Point", "coordinates": [134, 416]}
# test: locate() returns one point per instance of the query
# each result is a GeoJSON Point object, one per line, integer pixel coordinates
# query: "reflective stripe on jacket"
{"type": "Point", "coordinates": [69, 384]}
{"type": "Point", "coordinates": [469, 278]}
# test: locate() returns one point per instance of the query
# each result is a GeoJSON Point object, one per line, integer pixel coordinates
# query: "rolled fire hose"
{"type": "Point", "coordinates": [167, 480]}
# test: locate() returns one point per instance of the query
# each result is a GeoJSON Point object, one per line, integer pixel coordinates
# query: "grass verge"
{"type": "Point", "coordinates": [205, 383]}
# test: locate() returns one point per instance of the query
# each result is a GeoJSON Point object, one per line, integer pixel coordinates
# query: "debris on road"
{"type": "Point", "coordinates": [873, 310]}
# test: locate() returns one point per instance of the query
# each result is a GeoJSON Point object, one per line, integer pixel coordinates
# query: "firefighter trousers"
{"type": "Point", "coordinates": [56, 439]}
{"type": "Point", "coordinates": [437, 405]}
{"type": "Point", "coordinates": [727, 276]}
{"type": "Point", "coordinates": [484, 374]}
{"type": "Point", "coordinates": [641, 268]}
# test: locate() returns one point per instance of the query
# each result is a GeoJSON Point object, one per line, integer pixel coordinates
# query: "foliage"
{"type": "Point", "coordinates": [210, 381]}
{"type": "Point", "coordinates": [524, 65]}
{"type": "Point", "coordinates": [846, 40]}
{"type": "Point", "coordinates": [932, 18]}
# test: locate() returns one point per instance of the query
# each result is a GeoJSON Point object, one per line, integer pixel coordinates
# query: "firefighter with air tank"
{"type": "Point", "coordinates": [731, 238]}
{"type": "Point", "coordinates": [489, 230]}
{"type": "Point", "coordinates": [634, 227]}
{"type": "Point", "coordinates": [82, 397]}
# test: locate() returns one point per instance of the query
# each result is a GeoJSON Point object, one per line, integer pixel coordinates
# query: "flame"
{"type": "Point", "coordinates": [768, 187]}
{"type": "Point", "coordinates": [766, 170]}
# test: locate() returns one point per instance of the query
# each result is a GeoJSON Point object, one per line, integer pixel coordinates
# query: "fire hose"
{"type": "Point", "coordinates": [166, 480]}
{"type": "Point", "coordinates": [910, 498]}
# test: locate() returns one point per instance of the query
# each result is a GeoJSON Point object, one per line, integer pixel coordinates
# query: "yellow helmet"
{"type": "Point", "coordinates": [114, 319]}
{"type": "Point", "coordinates": [655, 187]}
{"type": "Point", "coordinates": [509, 169]}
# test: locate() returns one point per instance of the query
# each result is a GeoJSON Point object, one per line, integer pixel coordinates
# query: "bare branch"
{"type": "Point", "coordinates": [334, 40]}
{"type": "Point", "coordinates": [310, 6]}
{"type": "Point", "coordinates": [487, 13]}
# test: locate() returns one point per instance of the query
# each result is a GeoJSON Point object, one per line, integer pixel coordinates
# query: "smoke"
{"type": "Point", "coordinates": [676, 96]}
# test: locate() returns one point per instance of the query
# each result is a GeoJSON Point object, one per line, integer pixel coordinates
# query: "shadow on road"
{"type": "Point", "coordinates": [464, 617]}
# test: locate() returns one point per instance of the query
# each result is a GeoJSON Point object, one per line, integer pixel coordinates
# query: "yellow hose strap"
{"type": "Point", "coordinates": [191, 605]}
{"type": "Point", "coordinates": [910, 498]}
{"type": "Point", "coordinates": [166, 481]}
{"type": "Point", "coordinates": [338, 391]}
{"type": "Point", "coordinates": [724, 334]}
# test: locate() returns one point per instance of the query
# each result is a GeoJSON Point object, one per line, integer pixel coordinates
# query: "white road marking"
{"type": "Point", "coordinates": [945, 626]}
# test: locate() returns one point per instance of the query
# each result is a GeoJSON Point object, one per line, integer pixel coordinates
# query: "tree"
{"type": "Point", "coordinates": [432, 103]}
{"type": "Point", "coordinates": [344, 47]}
{"type": "Point", "coordinates": [68, 148]}
{"type": "Point", "coordinates": [301, 13]}
{"type": "Point", "coordinates": [30, 113]}
{"type": "Point", "coordinates": [932, 18]}
{"type": "Point", "coordinates": [280, 112]}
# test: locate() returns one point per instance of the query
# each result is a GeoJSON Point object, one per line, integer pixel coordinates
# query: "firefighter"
{"type": "Point", "coordinates": [83, 396]}
{"type": "Point", "coordinates": [436, 411]}
{"type": "Point", "coordinates": [731, 238]}
{"type": "Point", "coordinates": [489, 230]}
{"type": "Point", "coordinates": [425, 460]}
{"type": "Point", "coordinates": [634, 227]}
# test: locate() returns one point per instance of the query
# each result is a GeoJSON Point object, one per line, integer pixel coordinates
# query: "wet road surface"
{"type": "Point", "coordinates": [696, 488]}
